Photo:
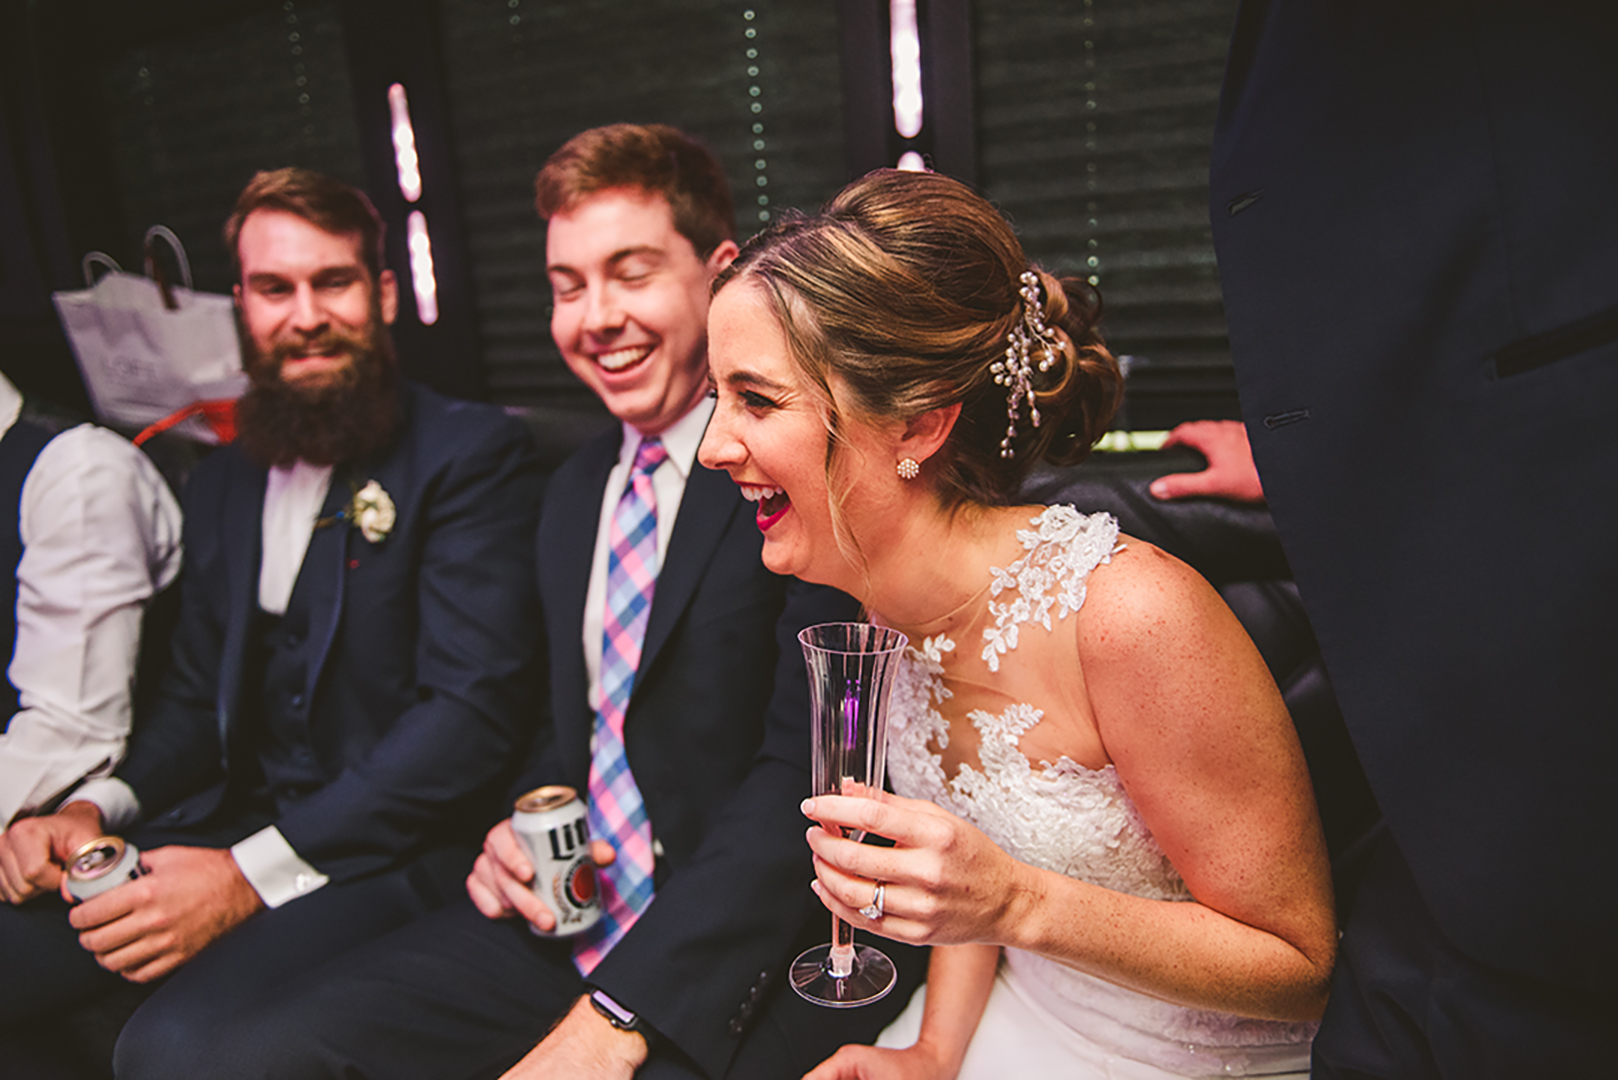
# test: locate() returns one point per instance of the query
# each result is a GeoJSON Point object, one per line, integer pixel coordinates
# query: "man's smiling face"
{"type": "Point", "coordinates": [309, 305]}
{"type": "Point", "coordinates": [631, 304]}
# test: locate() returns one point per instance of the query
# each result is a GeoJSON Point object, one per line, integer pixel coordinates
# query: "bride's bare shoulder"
{"type": "Point", "coordinates": [1145, 598]}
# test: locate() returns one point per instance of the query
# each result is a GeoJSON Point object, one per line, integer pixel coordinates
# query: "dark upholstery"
{"type": "Point", "coordinates": [1236, 548]}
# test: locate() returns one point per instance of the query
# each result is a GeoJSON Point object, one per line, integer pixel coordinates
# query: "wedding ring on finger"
{"type": "Point", "coordinates": [873, 910]}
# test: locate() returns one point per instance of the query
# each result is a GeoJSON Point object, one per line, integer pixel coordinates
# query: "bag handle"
{"type": "Point", "coordinates": [219, 414]}
{"type": "Point", "coordinates": [154, 269]}
{"type": "Point", "coordinates": [93, 259]}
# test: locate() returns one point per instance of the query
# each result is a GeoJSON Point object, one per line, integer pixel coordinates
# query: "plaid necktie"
{"type": "Point", "coordinates": [617, 811]}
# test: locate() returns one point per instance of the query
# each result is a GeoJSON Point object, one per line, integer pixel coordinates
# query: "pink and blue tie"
{"type": "Point", "coordinates": [617, 812]}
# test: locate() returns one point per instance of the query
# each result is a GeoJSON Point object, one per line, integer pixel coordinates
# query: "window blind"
{"type": "Point", "coordinates": [758, 83]}
{"type": "Point", "coordinates": [1095, 122]}
{"type": "Point", "coordinates": [192, 115]}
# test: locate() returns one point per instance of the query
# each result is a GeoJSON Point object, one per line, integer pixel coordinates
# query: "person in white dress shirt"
{"type": "Point", "coordinates": [99, 536]}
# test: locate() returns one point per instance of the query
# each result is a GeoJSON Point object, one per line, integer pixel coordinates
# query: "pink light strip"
{"type": "Point", "coordinates": [405, 160]}
{"type": "Point", "coordinates": [904, 45]}
{"type": "Point", "coordinates": [421, 268]}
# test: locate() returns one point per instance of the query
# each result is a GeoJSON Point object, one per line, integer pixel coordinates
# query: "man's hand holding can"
{"type": "Point", "coordinates": [503, 882]}
{"type": "Point", "coordinates": [35, 852]}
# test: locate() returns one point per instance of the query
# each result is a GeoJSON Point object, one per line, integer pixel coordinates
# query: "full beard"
{"type": "Point", "coordinates": [347, 417]}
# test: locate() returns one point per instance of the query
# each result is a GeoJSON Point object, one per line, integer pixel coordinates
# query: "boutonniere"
{"type": "Point", "coordinates": [371, 509]}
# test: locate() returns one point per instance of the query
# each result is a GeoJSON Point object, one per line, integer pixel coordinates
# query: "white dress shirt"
{"type": "Point", "coordinates": [101, 536]}
{"type": "Point", "coordinates": [681, 440]}
{"type": "Point", "coordinates": [293, 497]}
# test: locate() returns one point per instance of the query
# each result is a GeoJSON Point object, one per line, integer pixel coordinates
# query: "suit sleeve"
{"type": "Point", "coordinates": [476, 626]}
{"type": "Point", "coordinates": [725, 922]}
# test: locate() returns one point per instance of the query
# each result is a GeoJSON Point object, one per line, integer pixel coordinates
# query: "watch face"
{"type": "Point", "coordinates": [615, 1013]}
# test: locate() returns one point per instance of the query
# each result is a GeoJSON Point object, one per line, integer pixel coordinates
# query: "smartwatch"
{"type": "Point", "coordinates": [621, 1018]}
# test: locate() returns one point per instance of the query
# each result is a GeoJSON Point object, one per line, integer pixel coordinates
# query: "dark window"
{"type": "Point", "coordinates": [1095, 121]}
{"type": "Point", "coordinates": [192, 116]}
{"type": "Point", "coordinates": [759, 84]}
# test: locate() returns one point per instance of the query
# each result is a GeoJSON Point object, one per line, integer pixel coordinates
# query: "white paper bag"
{"type": "Point", "coordinates": [143, 359]}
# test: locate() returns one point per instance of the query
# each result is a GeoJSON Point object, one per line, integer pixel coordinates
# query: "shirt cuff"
{"type": "Point", "coordinates": [115, 799]}
{"type": "Point", "coordinates": [273, 869]}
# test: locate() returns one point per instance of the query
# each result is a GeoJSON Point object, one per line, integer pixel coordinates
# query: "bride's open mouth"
{"type": "Point", "coordinates": [772, 503]}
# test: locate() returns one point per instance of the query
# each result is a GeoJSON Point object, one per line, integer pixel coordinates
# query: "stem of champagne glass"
{"type": "Point", "coordinates": [841, 961]}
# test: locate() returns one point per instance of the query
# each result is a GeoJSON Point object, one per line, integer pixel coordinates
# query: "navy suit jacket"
{"type": "Point", "coordinates": [427, 635]}
{"type": "Point", "coordinates": [718, 739]}
{"type": "Point", "coordinates": [1413, 206]}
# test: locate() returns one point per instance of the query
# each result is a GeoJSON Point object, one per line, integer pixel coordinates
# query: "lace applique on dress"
{"type": "Point", "coordinates": [1062, 817]}
{"type": "Point", "coordinates": [1062, 550]}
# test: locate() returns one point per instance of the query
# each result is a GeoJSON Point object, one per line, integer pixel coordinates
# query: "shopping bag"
{"type": "Point", "coordinates": [148, 348]}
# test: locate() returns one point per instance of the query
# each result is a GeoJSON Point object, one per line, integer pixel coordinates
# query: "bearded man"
{"type": "Point", "coordinates": [350, 672]}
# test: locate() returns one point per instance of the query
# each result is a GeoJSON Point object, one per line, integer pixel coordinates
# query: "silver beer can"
{"type": "Point", "coordinates": [102, 864]}
{"type": "Point", "coordinates": [551, 825]}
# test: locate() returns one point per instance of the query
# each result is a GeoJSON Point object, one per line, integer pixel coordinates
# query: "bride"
{"type": "Point", "coordinates": [1104, 825]}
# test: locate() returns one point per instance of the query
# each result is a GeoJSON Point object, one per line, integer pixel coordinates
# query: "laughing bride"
{"type": "Point", "coordinates": [1104, 824]}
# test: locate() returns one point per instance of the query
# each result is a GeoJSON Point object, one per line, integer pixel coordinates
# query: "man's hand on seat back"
{"type": "Point", "coordinates": [1230, 474]}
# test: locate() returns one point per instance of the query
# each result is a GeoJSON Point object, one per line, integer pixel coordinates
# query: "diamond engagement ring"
{"type": "Point", "coordinates": [873, 910]}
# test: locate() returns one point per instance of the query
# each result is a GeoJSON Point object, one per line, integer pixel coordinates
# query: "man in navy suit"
{"type": "Point", "coordinates": [1412, 208]}
{"type": "Point", "coordinates": [351, 666]}
{"type": "Point", "coordinates": [716, 730]}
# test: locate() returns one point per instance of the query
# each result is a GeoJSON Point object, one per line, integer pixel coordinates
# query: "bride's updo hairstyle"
{"type": "Point", "coordinates": [907, 288]}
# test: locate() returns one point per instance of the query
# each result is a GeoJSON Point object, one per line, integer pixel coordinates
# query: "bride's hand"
{"type": "Point", "coordinates": [857, 1062]}
{"type": "Point", "coordinates": [944, 882]}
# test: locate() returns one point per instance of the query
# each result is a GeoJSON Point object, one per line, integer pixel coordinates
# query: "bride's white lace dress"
{"type": "Point", "coordinates": [1014, 661]}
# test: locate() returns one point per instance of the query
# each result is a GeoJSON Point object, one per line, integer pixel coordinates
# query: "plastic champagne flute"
{"type": "Point", "coordinates": [851, 668]}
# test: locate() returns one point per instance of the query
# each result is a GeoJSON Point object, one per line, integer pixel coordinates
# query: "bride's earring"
{"type": "Point", "coordinates": [909, 468]}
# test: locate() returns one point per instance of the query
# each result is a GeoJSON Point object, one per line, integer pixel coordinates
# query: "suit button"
{"type": "Point", "coordinates": [293, 641]}
{"type": "Point", "coordinates": [735, 1026]}
{"type": "Point", "coordinates": [297, 701]}
{"type": "Point", "coordinates": [746, 1010]}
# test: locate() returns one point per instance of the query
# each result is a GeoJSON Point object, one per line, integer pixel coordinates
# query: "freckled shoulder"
{"type": "Point", "coordinates": [1144, 599]}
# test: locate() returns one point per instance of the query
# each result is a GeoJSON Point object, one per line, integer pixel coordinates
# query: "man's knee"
{"type": "Point", "coordinates": [46, 969]}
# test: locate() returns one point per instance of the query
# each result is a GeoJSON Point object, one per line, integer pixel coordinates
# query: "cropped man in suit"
{"type": "Point", "coordinates": [714, 732]}
{"type": "Point", "coordinates": [349, 670]}
{"type": "Point", "coordinates": [1412, 209]}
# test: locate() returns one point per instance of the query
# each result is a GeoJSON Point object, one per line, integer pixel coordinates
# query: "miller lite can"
{"type": "Point", "coordinates": [550, 824]}
{"type": "Point", "coordinates": [104, 863]}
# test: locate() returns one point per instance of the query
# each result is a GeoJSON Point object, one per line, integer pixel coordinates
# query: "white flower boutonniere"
{"type": "Point", "coordinates": [372, 510]}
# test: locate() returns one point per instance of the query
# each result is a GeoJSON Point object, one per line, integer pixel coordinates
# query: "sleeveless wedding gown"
{"type": "Point", "coordinates": [1044, 1018]}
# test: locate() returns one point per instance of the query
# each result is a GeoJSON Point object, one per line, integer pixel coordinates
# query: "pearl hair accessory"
{"type": "Point", "coordinates": [909, 469]}
{"type": "Point", "coordinates": [1015, 372]}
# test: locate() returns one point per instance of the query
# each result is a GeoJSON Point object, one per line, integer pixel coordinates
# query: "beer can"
{"type": "Point", "coordinates": [550, 824]}
{"type": "Point", "coordinates": [104, 863]}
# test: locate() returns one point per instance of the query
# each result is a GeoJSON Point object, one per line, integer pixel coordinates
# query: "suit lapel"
{"type": "Point", "coordinates": [325, 563]}
{"type": "Point", "coordinates": [242, 529]}
{"type": "Point", "coordinates": [321, 577]}
{"type": "Point", "coordinates": [710, 501]}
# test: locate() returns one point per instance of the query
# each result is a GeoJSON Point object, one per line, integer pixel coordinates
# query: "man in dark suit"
{"type": "Point", "coordinates": [715, 729]}
{"type": "Point", "coordinates": [1412, 210]}
{"type": "Point", "coordinates": [350, 670]}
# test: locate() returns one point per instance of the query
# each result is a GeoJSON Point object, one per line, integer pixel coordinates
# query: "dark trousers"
{"type": "Point", "coordinates": [1406, 1005]}
{"type": "Point", "coordinates": [47, 975]}
{"type": "Point", "coordinates": [460, 996]}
